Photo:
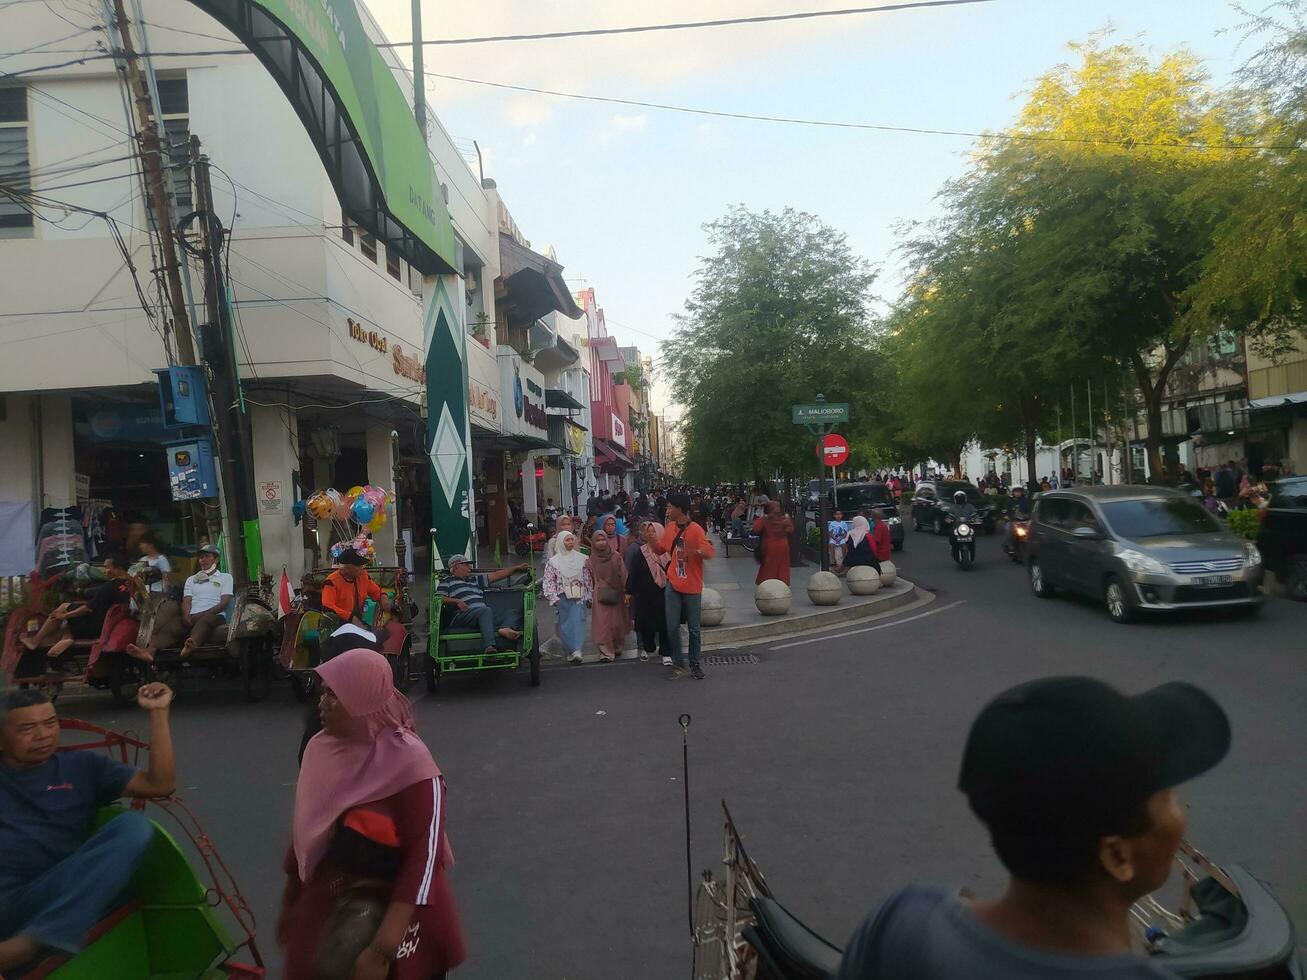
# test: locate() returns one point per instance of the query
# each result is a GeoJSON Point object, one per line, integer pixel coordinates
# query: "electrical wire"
{"type": "Point", "coordinates": [689, 25]}
{"type": "Point", "coordinates": [44, 44]}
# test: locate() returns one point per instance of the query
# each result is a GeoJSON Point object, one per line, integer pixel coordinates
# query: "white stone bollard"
{"type": "Point", "coordinates": [862, 580]}
{"type": "Point", "coordinates": [824, 589]}
{"type": "Point", "coordinates": [772, 597]}
{"type": "Point", "coordinates": [888, 573]}
{"type": "Point", "coordinates": [714, 609]}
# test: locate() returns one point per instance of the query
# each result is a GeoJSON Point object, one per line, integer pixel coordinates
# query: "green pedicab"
{"type": "Point", "coordinates": [457, 650]}
{"type": "Point", "coordinates": [168, 927]}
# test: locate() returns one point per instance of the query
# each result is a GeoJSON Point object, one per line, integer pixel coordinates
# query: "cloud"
{"type": "Point", "coordinates": [620, 126]}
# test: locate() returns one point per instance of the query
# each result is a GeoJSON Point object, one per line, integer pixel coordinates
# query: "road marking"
{"type": "Point", "coordinates": [868, 629]}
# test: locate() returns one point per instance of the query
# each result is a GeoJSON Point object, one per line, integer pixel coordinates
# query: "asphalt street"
{"type": "Point", "coordinates": [838, 758]}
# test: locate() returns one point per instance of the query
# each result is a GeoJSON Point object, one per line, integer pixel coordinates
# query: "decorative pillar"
{"type": "Point", "coordinates": [381, 473]}
{"type": "Point", "coordinates": [449, 433]}
{"type": "Point", "coordinates": [275, 437]}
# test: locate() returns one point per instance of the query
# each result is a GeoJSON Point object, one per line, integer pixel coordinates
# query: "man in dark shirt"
{"type": "Point", "coordinates": [58, 877]}
{"type": "Point", "coordinates": [1074, 782]}
{"type": "Point", "coordinates": [465, 592]}
{"type": "Point", "coordinates": [74, 621]}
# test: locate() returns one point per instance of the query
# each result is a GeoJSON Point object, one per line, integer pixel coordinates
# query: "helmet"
{"type": "Point", "coordinates": [960, 497]}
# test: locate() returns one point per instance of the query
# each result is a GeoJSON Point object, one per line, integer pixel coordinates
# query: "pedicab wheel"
{"type": "Point", "coordinates": [432, 670]}
{"type": "Point", "coordinates": [402, 664]}
{"type": "Point", "coordinates": [256, 668]}
{"type": "Point", "coordinates": [301, 685]}
{"type": "Point", "coordinates": [125, 679]}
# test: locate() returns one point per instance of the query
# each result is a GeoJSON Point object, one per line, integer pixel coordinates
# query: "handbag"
{"type": "Point", "coordinates": [609, 596]}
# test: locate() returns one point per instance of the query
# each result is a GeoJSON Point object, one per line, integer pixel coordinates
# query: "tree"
{"type": "Point", "coordinates": [778, 314]}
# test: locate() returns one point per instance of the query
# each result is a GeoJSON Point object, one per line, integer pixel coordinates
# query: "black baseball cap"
{"type": "Point", "coordinates": [351, 557]}
{"type": "Point", "coordinates": [1074, 757]}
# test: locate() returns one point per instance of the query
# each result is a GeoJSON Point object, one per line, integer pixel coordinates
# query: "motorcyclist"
{"type": "Point", "coordinates": [961, 509]}
{"type": "Point", "coordinates": [1018, 510]}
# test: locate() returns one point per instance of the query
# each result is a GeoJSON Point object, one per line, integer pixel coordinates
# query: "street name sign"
{"type": "Point", "coordinates": [821, 413]}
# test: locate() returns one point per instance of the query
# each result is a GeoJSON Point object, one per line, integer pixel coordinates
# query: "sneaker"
{"type": "Point", "coordinates": [575, 658]}
{"type": "Point", "coordinates": [667, 661]}
{"type": "Point", "coordinates": [696, 672]}
{"type": "Point", "coordinates": [677, 673]}
{"type": "Point", "coordinates": [644, 655]}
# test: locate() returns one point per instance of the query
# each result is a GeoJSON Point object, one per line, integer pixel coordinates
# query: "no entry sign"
{"type": "Point", "coordinates": [834, 450]}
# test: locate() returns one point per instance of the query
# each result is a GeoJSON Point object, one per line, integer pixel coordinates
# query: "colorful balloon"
{"type": "Point", "coordinates": [378, 521]}
{"type": "Point", "coordinates": [362, 511]}
{"type": "Point", "coordinates": [355, 492]}
{"type": "Point", "coordinates": [340, 509]}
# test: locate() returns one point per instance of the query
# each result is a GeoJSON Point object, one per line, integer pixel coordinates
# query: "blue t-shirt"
{"type": "Point", "coordinates": [46, 812]}
{"type": "Point", "coordinates": [928, 934]}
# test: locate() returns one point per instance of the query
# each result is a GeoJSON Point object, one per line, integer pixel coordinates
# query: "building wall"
{"type": "Point", "coordinates": [1288, 376]}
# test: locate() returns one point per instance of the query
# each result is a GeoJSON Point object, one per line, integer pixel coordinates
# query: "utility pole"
{"type": "Point", "coordinates": [419, 76]}
{"type": "Point", "coordinates": [235, 453]}
{"type": "Point", "coordinates": [150, 148]}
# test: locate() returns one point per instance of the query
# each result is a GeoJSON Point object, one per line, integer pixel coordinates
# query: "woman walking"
{"type": "Point", "coordinates": [616, 539]}
{"type": "Point", "coordinates": [646, 576]}
{"type": "Point", "coordinates": [774, 547]}
{"type": "Point", "coordinates": [609, 620]}
{"type": "Point", "coordinates": [861, 549]}
{"type": "Point", "coordinates": [569, 588]}
{"type": "Point", "coordinates": [367, 894]}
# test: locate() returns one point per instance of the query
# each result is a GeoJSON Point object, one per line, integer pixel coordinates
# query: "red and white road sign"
{"type": "Point", "coordinates": [834, 450]}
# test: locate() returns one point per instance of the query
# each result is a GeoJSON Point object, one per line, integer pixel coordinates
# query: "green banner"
{"type": "Point", "coordinates": [448, 431]}
{"type": "Point", "coordinates": [360, 83]}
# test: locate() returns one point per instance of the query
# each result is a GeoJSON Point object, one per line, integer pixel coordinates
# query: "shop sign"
{"type": "Point", "coordinates": [619, 431]}
{"type": "Point", "coordinates": [533, 414]}
{"type": "Point", "coordinates": [408, 367]}
{"type": "Point", "coordinates": [575, 439]}
{"type": "Point", "coordinates": [482, 401]}
{"type": "Point", "coordinates": [270, 497]}
{"type": "Point", "coordinates": [374, 339]}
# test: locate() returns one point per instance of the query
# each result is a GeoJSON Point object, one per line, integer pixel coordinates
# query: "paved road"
{"type": "Point", "coordinates": [838, 759]}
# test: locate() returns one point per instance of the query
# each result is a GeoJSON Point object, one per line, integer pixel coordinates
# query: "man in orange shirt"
{"type": "Point", "coordinates": [688, 546]}
{"type": "Point", "coordinates": [344, 594]}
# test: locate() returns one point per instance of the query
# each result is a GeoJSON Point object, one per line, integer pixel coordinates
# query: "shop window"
{"type": "Point", "coordinates": [368, 245]}
{"type": "Point", "coordinates": [346, 231]}
{"type": "Point", "coordinates": [393, 265]}
{"type": "Point", "coordinates": [414, 281]}
{"type": "Point", "coordinates": [15, 164]}
{"type": "Point", "coordinates": [174, 114]}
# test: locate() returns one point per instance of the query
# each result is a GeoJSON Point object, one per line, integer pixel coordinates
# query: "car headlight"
{"type": "Point", "coordinates": [964, 531]}
{"type": "Point", "coordinates": [1140, 563]}
{"type": "Point", "coordinates": [1251, 556]}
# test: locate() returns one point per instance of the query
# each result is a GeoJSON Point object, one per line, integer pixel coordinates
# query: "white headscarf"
{"type": "Point", "coordinates": [858, 529]}
{"type": "Point", "coordinates": [569, 564]}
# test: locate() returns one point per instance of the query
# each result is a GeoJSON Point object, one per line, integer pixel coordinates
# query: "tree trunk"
{"type": "Point", "coordinates": [1030, 457]}
{"type": "Point", "coordinates": [1153, 389]}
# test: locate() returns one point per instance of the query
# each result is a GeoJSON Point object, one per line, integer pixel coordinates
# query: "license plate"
{"type": "Point", "coordinates": [1211, 581]}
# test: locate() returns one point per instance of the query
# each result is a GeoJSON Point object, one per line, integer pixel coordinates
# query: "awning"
{"type": "Point", "coordinates": [610, 455]}
{"type": "Point", "coordinates": [605, 349]}
{"type": "Point", "coordinates": [556, 355]}
{"type": "Point", "coordinates": [508, 444]}
{"type": "Point", "coordinates": [1278, 401]}
{"type": "Point", "coordinates": [533, 284]}
{"type": "Point", "coordinates": [558, 398]}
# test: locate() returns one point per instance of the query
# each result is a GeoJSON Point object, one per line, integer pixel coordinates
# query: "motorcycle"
{"type": "Point", "coordinates": [1227, 924]}
{"type": "Point", "coordinates": [1017, 538]}
{"type": "Point", "coordinates": [962, 541]}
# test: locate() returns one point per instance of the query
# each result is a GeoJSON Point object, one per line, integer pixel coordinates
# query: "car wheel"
{"type": "Point", "coordinates": [1296, 583]}
{"type": "Point", "coordinates": [1038, 583]}
{"type": "Point", "coordinates": [1116, 601]}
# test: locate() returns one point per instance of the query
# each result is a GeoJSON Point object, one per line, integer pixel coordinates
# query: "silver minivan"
{"type": "Point", "coordinates": [1137, 548]}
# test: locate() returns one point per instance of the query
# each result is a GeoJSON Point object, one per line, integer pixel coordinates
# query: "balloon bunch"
{"type": "Point", "coordinates": [355, 514]}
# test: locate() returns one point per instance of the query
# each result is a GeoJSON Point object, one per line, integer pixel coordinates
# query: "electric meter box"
{"type": "Point", "coordinates": [190, 469]}
{"type": "Point", "coordinates": [183, 395]}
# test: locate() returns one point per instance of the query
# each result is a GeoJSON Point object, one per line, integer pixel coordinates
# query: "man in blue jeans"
{"type": "Point", "coordinates": [465, 591]}
{"type": "Point", "coordinates": [688, 545]}
{"type": "Point", "coordinates": [57, 878]}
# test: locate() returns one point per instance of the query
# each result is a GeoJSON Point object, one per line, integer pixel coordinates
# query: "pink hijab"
{"type": "Point", "coordinates": [381, 756]}
{"type": "Point", "coordinates": [657, 563]}
{"type": "Point", "coordinates": [858, 530]}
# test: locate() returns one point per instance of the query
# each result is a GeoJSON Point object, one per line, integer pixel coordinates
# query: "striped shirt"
{"type": "Point", "coordinates": [470, 590]}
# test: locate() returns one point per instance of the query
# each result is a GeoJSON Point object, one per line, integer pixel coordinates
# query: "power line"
{"type": "Point", "coordinates": [688, 25]}
{"type": "Point", "coordinates": [835, 124]}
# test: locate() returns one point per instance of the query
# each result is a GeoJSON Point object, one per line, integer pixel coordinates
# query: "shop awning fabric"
{"type": "Point", "coordinates": [557, 398]}
{"type": "Point", "coordinates": [1278, 401]}
{"type": "Point", "coordinates": [610, 455]}
{"type": "Point", "coordinates": [534, 283]}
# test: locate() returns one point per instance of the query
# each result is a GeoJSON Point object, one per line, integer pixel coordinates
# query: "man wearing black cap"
{"type": "Point", "coordinates": [1075, 783]}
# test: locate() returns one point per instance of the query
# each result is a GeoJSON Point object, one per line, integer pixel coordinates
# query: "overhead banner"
{"type": "Point", "coordinates": [358, 117]}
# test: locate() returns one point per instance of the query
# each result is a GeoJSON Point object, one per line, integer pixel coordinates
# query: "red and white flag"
{"type": "Point", "coordinates": [285, 595]}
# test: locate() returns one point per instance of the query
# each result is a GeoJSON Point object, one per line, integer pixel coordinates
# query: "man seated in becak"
{"type": "Point", "coordinates": [57, 878]}
{"type": "Point", "coordinates": [74, 621]}
{"type": "Point", "coordinates": [345, 595]}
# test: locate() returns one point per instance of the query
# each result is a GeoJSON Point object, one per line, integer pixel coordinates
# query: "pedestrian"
{"type": "Point", "coordinates": [646, 578]}
{"type": "Point", "coordinates": [614, 530]}
{"type": "Point", "coordinates": [881, 543]}
{"type": "Point", "coordinates": [687, 546]}
{"type": "Point", "coordinates": [568, 588]}
{"type": "Point", "coordinates": [588, 530]}
{"type": "Point", "coordinates": [367, 885]}
{"type": "Point", "coordinates": [861, 549]}
{"type": "Point", "coordinates": [565, 523]}
{"type": "Point", "coordinates": [660, 507]}
{"type": "Point", "coordinates": [758, 502]}
{"type": "Point", "coordinates": [774, 529]}
{"type": "Point", "coordinates": [1075, 785]}
{"type": "Point", "coordinates": [838, 531]}
{"type": "Point", "coordinates": [609, 620]}
{"type": "Point", "coordinates": [738, 513]}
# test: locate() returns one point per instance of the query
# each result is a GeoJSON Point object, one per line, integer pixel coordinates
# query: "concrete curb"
{"type": "Point", "coordinates": [901, 593]}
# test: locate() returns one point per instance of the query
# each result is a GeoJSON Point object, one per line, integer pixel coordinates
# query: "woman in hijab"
{"type": "Point", "coordinates": [774, 548]}
{"type": "Point", "coordinates": [563, 523]}
{"type": "Point", "coordinates": [367, 895]}
{"type": "Point", "coordinates": [861, 549]}
{"type": "Point", "coordinates": [616, 539]}
{"type": "Point", "coordinates": [609, 621]}
{"type": "Point", "coordinates": [588, 530]}
{"type": "Point", "coordinates": [645, 577]}
{"type": "Point", "coordinates": [569, 588]}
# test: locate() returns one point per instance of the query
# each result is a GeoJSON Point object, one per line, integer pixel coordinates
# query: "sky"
{"type": "Point", "coordinates": [622, 192]}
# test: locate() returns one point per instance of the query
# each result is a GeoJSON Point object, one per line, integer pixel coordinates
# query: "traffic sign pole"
{"type": "Point", "coordinates": [820, 418]}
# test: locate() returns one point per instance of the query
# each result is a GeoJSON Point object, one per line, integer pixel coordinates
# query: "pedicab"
{"type": "Point", "coordinates": [245, 644]}
{"type": "Point", "coordinates": [457, 650]}
{"type": "Point", "coordinates": [170, 923]}
{"type": "Point", "coordinates": [308, 624]}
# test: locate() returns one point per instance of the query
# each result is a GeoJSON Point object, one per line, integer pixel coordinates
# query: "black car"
{"type": "Point", "coordinates": [933, 498]}
{"type": "Point", "coordinates": [866, 497]}
{"type": "Point", "coordinates": [1282, 539]}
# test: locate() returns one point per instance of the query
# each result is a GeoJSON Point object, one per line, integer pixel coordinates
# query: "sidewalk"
{"type": "Point", "coordinates": [733, 579]}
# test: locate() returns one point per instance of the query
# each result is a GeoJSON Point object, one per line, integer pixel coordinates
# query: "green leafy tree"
{"type": "Point", "coordinates": [778, 314]}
